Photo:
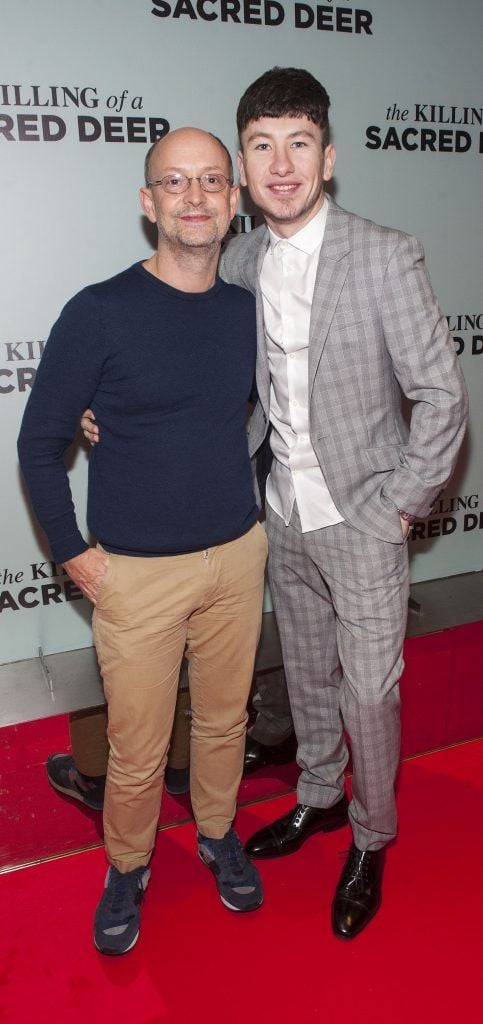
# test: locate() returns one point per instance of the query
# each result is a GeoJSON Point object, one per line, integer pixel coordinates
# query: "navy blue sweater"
{"type": "Point", "coordinates": [168, 375]}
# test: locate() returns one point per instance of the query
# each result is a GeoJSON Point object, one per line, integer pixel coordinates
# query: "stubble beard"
{"type": "Point", "coordinates": [183, 248]}
{"type": "Point", "coordinates": [287, 210]}
{"type": "Point", "coordinates": [183, 237]}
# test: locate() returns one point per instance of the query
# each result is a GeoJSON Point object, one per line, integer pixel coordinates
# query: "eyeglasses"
{"type": "Point", "coordinates": [176, 183]}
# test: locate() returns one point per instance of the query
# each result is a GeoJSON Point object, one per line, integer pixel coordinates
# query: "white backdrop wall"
{"type": "Point", "coordinates": [83, 90]}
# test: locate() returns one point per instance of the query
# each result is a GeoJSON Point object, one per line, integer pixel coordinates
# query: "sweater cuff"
{"type": "Point", "coordinates": [68, 547]}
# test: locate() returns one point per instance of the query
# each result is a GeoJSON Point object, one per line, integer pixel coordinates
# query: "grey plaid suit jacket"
{"type": "Point", "coordinates": [376, 330]}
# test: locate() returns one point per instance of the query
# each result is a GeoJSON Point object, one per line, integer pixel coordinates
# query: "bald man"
{"type": "Point", "coordinates": [164, 353]}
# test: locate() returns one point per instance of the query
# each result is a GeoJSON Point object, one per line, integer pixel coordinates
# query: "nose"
{"type": "Point", "coordinates": [194, 193]}
{"type": "Point", "coordinates": [281, 162]}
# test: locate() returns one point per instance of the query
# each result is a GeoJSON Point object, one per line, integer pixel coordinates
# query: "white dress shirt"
{"type": "Point", "coordinates": [287, 281]}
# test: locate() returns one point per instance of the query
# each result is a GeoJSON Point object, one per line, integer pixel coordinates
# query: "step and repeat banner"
{"type": "Point", "coordinates": [86, 87]}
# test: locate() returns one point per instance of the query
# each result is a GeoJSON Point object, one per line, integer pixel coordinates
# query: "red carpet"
{"type": "Point", "coordinates": [420, 960]}
{"type": "Point", "coordinates": [441, 705]}
{"type": "Point", "coordinates": [36, 823]}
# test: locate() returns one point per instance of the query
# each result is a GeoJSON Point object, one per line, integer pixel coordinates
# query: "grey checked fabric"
{"type": "Point", "coordinates": [340, 594]}
{"type": "Point", "coordinates": [376, 329]}
{"type": "Point", "coordinates": [340, 598]}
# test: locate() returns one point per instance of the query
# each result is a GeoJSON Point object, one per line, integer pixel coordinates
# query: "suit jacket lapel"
{"type": "Point", "coordinates": [331, 274]}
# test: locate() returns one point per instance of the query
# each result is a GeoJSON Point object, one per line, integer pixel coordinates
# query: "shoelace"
{"type": "Point", "coordinates": [298, 817]}
{"type": "Point", "coordinates": [126, 890]}
{"type": "Point", "coordinates": [357, 869]}
{"type": "Point", "coordinates": [232, 855]}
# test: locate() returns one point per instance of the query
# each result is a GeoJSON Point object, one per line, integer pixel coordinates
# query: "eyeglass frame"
{"type": "Point", "coordinates": [195, 177]}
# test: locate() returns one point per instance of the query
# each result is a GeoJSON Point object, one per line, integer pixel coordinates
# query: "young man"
{"type": "Point", "coordinates": [346, 321]}
{"type": "Point", "coordinates": [165, 354]}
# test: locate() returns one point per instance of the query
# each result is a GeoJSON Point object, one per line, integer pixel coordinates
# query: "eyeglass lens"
{"type": "Point", "coordinates": [180, 182]}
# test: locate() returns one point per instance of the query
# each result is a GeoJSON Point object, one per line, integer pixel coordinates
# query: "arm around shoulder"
{"type": "Point", "coordinates": [239, 259]}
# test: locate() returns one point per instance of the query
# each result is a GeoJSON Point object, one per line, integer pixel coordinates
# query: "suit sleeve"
{"type": "Point", "coordinates": [235, 266]}
{"type": "Point", "coordinates": [428, 372]}
{"type": "Point", "coordinates": [65, 385]}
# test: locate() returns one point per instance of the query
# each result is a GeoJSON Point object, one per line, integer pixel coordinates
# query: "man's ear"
{"type": "Point", "coordinates": [329, 161]}
{"type": "Point", "coordinates": [241, 167]}
{"type": "Point", "coordinates": [146, 200]}
{"type": "Point", "coordinates": [234, 197]}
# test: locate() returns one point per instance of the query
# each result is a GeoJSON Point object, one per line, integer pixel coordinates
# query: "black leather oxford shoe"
{"type": "Point", "coordinates": [359, 893]}
{"type": "Point", "coordinates": [261, 755]}
{"type": "Point", "coordinates": [287, 834]}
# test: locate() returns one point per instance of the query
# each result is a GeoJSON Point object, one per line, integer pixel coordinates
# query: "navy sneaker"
{"type": "Point", "coordinates": [118, 916]}
{"type": "Point", "coordinates": [239, 883]}
{"type": "Point", "coordinates": [66, 778]}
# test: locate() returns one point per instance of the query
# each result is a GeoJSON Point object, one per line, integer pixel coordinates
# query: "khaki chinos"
{"type": "Point", "coordinates": [148, 610]}
{"type": "Point", "coordinates": [88, 734]}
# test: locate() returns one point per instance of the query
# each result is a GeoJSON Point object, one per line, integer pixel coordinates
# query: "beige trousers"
{"type": "Point", "coordinates": [88, 734]}
{"type": "Point", "coordinates": [148, 610]}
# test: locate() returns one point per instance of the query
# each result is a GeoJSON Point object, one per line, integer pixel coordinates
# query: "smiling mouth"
{"type": "Point", "coordinates": [195, 218]}
{"type": "Point", "coordinates": [283, 190]}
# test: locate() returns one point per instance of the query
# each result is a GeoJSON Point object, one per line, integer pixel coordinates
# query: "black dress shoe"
{"type": "Point", "coordinates": [359, 893]}
{"type": "Point", "coordinates": [260, 755]}
{"type": "Point", "coordinates": [287, 834]}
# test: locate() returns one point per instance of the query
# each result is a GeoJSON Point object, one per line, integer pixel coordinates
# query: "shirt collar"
{"type": "Point", "coordinates": [309, 237]}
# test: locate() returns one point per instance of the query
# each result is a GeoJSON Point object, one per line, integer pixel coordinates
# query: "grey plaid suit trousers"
{"type": "Point", "coordinates": [340, 598]}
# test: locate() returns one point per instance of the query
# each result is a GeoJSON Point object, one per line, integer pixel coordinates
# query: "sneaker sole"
{"type": "Point", "coordinates": [117, 952]}
{"type": "Point", "coordinates": [240, 910]}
